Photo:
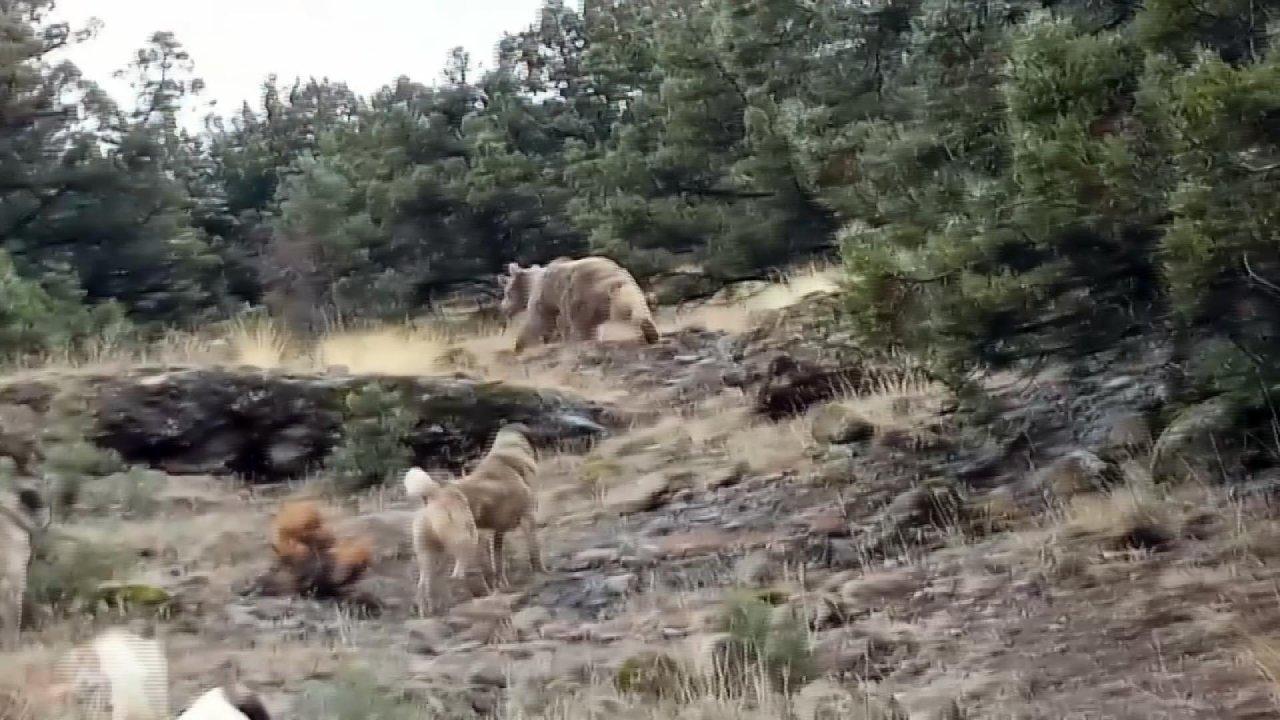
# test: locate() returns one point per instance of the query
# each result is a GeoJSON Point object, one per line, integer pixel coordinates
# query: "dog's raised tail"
{"type": "Point", "coordinates": [417, 483]}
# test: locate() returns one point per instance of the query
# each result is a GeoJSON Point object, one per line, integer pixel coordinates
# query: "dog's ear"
{"type": "Point", "coordinates": [30, 499]}
{"type": "Point", "coordinates": [249, 705]}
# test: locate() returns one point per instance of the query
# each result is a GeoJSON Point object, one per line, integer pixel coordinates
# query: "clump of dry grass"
{"type": "Point", "coordinates": [383, 351]}
{"type": "Point", "coordinates": [1125, 518]}
{"type": "Point", "coordinates": [795, 286]}
{"type": "Point", "coordinates": [736, 314]}
{"type": "Point", "coordinates": [771, 448]}
{"type": "Point", "coordinates": [905, 405]}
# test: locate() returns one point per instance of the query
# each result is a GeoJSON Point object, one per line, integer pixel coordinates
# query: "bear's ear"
{"type": "Point", "coordinates": [513, 268]}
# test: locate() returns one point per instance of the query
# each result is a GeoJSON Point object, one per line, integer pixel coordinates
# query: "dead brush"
{"type": "Point", "coordinates": [1134, 516]}
{"type": "Point", "coordinates": [317, 563]}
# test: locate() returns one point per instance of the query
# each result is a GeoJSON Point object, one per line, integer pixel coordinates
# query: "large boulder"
{"type": "Point", "coordinates": [270, 426]}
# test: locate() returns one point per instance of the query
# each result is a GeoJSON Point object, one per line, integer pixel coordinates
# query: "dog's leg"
{"type": "Point", "coordinates": [530, 527]}
{"type": "Point", "coordinates": [426, 565]}
{"type": "Point", "coordinates": [499, 561]}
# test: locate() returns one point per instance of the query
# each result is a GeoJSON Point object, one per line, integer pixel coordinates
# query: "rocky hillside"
{"type": "Point", "coordinates": [1063, 546]}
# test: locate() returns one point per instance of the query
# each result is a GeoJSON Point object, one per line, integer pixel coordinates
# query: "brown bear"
{"type": "Point", "coordinates": [573, 298]}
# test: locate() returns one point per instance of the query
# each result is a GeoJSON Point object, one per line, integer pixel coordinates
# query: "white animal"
{"type": "Point", "coordinates": [215, 705]}
{"type": "Point", "coordinates": [135, 674]}
{"type": "Point", "coordinates": [132, 669]}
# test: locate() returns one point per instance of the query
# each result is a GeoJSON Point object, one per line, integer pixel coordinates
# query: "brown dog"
{"type": "Point", "coordinates": [501, 497]}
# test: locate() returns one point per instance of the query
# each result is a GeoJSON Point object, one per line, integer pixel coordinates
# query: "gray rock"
{"type": "Point", "coordinates": [529, 621]}
{"type": "Point", "coordinates": [1128, 431]}
{"type": "Point", "coordinates": [427, 637]}
{"type": "Point", "coordinates": [756, 569]}
{"type": "Point", "coordinates": [594, 557]}
{"type": "Point", "coordinates": [488, 674]}
{"type": "Point", "coordinates": [1187, 444]}
{"type": "Point", "coordinates": [1076, 472]}
{"type": "Point", "coordinates": [645, 493]}
{"type": "Point", "coordinates": [836, 424]}
{"type": "Point", "coordinates": [620, 584]}
{"type": "Point", "coordinates": [271, 426]}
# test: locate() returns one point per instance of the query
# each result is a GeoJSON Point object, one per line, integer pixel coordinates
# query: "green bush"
{"type": "Point", "coordinates": [373, 445]}
{"type": "Point", "coordinates": [67, 573]}
{"type": "Point", "coordinates": [763, 641]}
{"type": "Point", "coordinates": [135, 492]}
{"type": "Point", "coordinates": [652, 675]}
{"type": "Point", "coordinates": [355, 695]}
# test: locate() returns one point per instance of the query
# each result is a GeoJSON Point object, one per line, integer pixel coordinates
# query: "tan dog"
{"type": "Point", "coordinates": [501, 497]}
{"type": "Point", "coordinates": [573, 298]}
{"type": "Point", "coordinates": [19, 518]}
{"type": "Point", "coordinates": [444, 528]}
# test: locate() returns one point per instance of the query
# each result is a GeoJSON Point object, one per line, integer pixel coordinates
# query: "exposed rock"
{"type": "Point", "coordinates": [1187, 444]}
{"type": "Point", "coordinates": [931, 505]}
{"type": "Point", "coordinates": [836, 424]}
{"type": "Point", "coordinates": [489, 674]}
{"type": "Point", "coordinates": [427, 636]}
{"type": "Point", "coordinates": [272, 426]}
{"type": "Point", "coordinates": [593, 557]}
{"type": "Point", "coordinates": [621, 584]}
{"type": "Point", "coordinates": [828, 700]}
{"type": "Point", "coordinates": [756, 569]}
{"type": "Point", "coordinates": [529, 621]}
{"type": "Point", "coordinates": [1076, 472]}
{"type": "Point", "coordinates": [645, 493]}
{"type": "Point", "coordinates": [1128, 431]}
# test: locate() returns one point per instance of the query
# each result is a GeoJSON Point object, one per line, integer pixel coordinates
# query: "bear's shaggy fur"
{"type": "Point", "coordinates": [573, 298]}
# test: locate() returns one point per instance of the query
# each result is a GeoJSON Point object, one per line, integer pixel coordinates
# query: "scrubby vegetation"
{"type": "Point", "coordinates": [1005, 181]}
{"type": "Point", "coordinates": [970, 314]}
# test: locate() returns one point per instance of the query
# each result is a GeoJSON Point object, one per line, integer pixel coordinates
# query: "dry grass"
{"type": "Point", "coordinates": [1132, 515]}
{"type": "Point", "coordinates": [383, 351]}
{"type": "Point", "coordinates": [907, 404]}
{"type": "Point", "coordinates": [771, 448]}
{"type": "Point", "coordinates": [434, 344]}
{"type": "Point", "coordinates": [795, 286]}
{"type": "Point", "coordinates": [734, 313]}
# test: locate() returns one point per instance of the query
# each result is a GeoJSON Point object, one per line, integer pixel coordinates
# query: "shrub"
{"type": "Point", "coordinates": [652, 675]}
{"type": "Point", "coordinates": [355, 695]}
{"type": "Point", "coordinates": [373, 445]}
{"type": "Point", "coordinates": [134, 491]}
{"type": "Point", "coordinates": [764, 641]}
{"type": "Point", "coordinates": [67, 573]}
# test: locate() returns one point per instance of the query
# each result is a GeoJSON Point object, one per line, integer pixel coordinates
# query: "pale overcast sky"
{"type": "Point", "coordinates": [235, 44]}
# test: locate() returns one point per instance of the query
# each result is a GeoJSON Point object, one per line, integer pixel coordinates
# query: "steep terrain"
{"type": "Point", "coordinates": [1067, 548]}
